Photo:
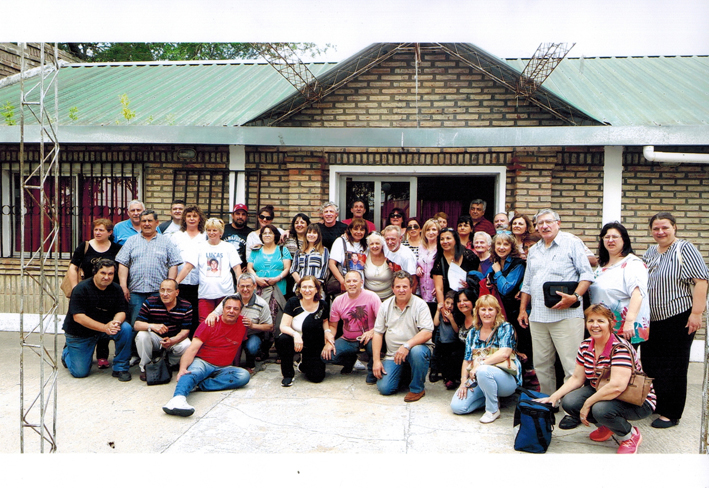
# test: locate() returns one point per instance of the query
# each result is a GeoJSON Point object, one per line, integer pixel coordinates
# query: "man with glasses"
{"type": "Point", "coordinates": [207, 363]}
{"type": "Point", "coordinates": [558, 256]}
{"type": "Point", "coordinates": [330, 227]}
{"type": "Point", "coordinates": [257, 319]}
{"type": "Point", "coordinates": [477, 213]}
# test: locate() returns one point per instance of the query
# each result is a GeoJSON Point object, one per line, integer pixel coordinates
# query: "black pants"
{"type": "Point", "coordinates": [450, 359]}
{"type": "Point", "coordinates": [311, 364]}
{"type": "Point", "coordinates": [665, 357]}
{"type": "Point", "coordinates": [189, 293]}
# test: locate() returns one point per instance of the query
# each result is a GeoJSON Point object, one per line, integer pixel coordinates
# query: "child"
{"type": "Point", "coordinates": [449, 350]}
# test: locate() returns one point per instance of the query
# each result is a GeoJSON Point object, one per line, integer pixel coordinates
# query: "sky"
{"type": "Point", "coordinates": [505, 28]}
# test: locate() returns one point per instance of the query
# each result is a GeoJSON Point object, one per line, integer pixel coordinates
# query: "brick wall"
{"type": "Point", "coordinates": [10, 57]}
{"type": "Point", "coordinates": [450, 94]}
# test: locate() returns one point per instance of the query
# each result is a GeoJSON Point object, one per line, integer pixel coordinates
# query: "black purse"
{"type": "Point", "coordinates": [551, 287]}
{"type": "Point", "coordinates": [158, 372]}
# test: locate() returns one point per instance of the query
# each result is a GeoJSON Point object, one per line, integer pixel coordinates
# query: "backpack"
{"type": "Point", "coordinates": [533, 422]}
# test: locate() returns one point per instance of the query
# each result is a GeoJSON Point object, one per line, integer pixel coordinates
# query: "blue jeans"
{"type": "Point", "coordinates": [251, 347]}
{"type": "Point", "coordinates": [79, 351]}
{"type": "Point", "coordinates": [208, 377]}
{"type": "Point", "coordinates": [346, 355]}
{"type": "Point", "coordinates": [492, 384]}
{"type": "Point", "coordinates": [136, 301]}
{"type": "Point", "coordinates": [418, 359]}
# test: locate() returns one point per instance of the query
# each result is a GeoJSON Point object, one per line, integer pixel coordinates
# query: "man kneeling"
{"type": "Point", "coordinates": [206, 364]}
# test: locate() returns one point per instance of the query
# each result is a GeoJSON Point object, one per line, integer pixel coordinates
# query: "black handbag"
{"type": "Point", "coordinates": [158, 372]}
{"type": "Point", "coordinates": [551, 287]}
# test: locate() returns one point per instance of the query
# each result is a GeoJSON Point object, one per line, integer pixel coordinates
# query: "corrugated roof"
{"type": "Point", "coordinates": [181, 94]}
{"type": "Point", "coordinates": [649, 90]}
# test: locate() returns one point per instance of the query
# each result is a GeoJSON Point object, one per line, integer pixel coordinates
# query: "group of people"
{"type": "Point", "coordinates": [482, 306]}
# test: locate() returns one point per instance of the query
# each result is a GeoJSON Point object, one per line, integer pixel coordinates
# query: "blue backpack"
{"type": "Point", "coordinates": [533, 422]}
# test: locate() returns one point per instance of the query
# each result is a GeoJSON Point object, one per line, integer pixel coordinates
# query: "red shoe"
{"type": "Point", "coordinates": [601, 434]}
{"type": "Point", "coordinates": [631, 445]}
{"type": "Point", "coordinates": [102, 363]}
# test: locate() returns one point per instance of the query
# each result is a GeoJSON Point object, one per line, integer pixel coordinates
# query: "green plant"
{"type": "Point", "coordinates": [127, 113]}
{"type": "Point", "coordinates": [8, 113]}
{"type": "Point", "coordinates": [74, 113]}
{"type": "Point", "coordinates": [170, 119]}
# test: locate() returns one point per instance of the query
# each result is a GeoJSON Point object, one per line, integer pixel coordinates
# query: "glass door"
{"type": "Point", "coordinates": [382, 194]}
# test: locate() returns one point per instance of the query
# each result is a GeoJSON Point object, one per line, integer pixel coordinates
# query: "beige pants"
{"type": "Point", "coordinates": [148, 343]}
{"type": "Point", "coordinates": [562, 337]}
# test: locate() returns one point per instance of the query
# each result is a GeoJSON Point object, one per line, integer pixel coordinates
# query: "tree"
{"type": "Point", "coordinates": [93, 52]}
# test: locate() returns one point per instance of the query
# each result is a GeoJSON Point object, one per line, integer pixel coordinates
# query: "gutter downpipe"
{"type": "Point", "coordinates": [671, 157]}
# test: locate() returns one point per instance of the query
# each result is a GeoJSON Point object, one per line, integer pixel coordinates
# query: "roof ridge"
{"type": "Point", "coordinates": [208, 62]}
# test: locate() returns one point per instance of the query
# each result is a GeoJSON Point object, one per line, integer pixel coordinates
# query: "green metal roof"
{"type": "Point", "coordinates": [622, 91]}
{"type": "Point", "coordinates": [182, 94]}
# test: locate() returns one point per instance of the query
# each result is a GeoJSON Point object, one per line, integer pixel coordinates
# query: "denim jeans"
{"type": "Point", "coordinates": [136, 301]}
{"type": "Point", "coordinates": [492, 384]}
{"type": "Point", "coordinates": [251, 346]}
{"type": "Point", "coordinates": [346, 355]}
{"type": "Point", "coordinates": [208, 377]}
{"type": "Point", "coordinates": [613, 414]}
{"type": "Point", "coordinates": [418, 359]}
{"type": "Point", "coordinates": [79, 351]}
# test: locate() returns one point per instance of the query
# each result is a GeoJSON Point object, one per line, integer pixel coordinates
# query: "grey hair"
{"type": "Point", "coordinates": [391, 228]}
{"type": "Point", "coordinates": [246, 275]}
{"type": "Point", "coordinates": [375, 236]}
{"type": "Point", "coordinates": [149, 212]}
{"type": "Point", "coordinates": [330, 204]}
{"type": "Point", "coordinates": [545, 211]}
{"type": "Point", "coordinates": [479, 201]}
{"type": "Point", "coordinates": [484, 235]}
{"type": "Point", "coordinates": [132, 202]}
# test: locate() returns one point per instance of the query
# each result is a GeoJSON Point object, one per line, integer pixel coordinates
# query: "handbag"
{"type": "Point", "coordinates": [509, 366]}
{"type": "Point", "coordinates": [551, 287]}
{"type": "Point", "coordinates": [66, 284]}
{"type": "Point", "coordinates": [638, 386]}
{"type": "Point", "coordinates": [158, 372]}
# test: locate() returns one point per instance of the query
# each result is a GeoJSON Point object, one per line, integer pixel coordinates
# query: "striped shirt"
{"type": "Point", "coordinates": [623, 358]}
{"type": "Point", "coordinates": [564, 260]}
{"type": "Point", "coordinates": [670, 275]}
{"type": "Point", "coordinates": [312, 263]}
{"type": "Point", "coordinates": [153, 311]}
{"type": "Point", "coordinates": [148, 261]}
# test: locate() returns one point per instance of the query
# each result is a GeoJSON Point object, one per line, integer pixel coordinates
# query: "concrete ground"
{"type": "Point", "coordinates": [342, 415]}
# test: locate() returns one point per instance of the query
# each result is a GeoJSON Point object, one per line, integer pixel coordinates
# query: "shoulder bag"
{"type": "Point", "coordinates": [157, 372]}
{"type": "Point", "coordinates": [638, 386]}
{"type": "Point", "coordinates": [66, 283]}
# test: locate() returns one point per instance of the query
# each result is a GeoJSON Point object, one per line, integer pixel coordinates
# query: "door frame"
{"type": "Point", "coordinates": [338, 173]}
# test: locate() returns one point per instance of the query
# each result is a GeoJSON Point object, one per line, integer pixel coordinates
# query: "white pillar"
{"type": "Point", "coordinates": [612, 183]}
{"type": "Point", "coordinates": [237, 162]}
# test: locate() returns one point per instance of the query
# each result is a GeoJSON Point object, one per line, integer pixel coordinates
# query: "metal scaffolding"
{"type": "Point", "coordinates": [38, 406]}
{"type": "Point", "coordinates": [546, 58]}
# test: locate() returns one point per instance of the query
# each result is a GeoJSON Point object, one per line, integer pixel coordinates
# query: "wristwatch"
{"type": "Point", "coordinates": [149, 329]}
{"type": "Point", "coordinates": [578, 297]}
{"type": "Point", "coordinates": [406, 345]}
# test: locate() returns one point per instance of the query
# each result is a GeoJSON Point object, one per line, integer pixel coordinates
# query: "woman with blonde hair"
{"type": "Point", "coordinates": [426, 258]}
{"type": "Point", "coordinates": [490, 369]}
{"type": "Point", "coordinates": [213, 259]}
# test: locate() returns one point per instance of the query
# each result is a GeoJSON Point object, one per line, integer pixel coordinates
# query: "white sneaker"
{"type": "Point", "coordinates": [178, 406]}
{"type": "Point", "coordinates": [359, 366]}
{"type": "Point", "coordinates": [489, 417]}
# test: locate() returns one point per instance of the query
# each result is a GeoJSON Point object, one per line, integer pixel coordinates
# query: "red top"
{"type": "Point", "coordinates": [221, 342]}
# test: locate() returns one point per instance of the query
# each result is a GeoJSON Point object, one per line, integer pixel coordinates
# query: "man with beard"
{"type": "Point", "coordinates": [237, 232]}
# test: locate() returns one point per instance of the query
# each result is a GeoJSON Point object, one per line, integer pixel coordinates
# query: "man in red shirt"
{"type": "Point", "coordinates": [207, 363]}
{"type": "Point", "coordinates": [477, 213]}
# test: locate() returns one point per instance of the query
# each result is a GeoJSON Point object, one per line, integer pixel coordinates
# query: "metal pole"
{"type": "Point", "coordinates": [704, 436]}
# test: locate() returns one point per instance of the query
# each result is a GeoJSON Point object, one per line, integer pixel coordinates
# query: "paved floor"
{"type": "Point", "coordinates": [342, 415]}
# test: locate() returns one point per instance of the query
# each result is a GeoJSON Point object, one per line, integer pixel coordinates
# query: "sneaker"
{"type": "Point", "coordinates": [359, 366]}
{"type": "Point", "coordinates": [631, 445]}
{"type": "Point", "coordinates": [122, 375]}
{"type": "Point", "coordinates": [287, 382]}
{"type": "Point", "coordinates": [133, 361]}
{"type": "Point", "coordinates": [488, 418]}
{"type": "Point", "coordinates": [433, 377]}
{"type": "Point", "coordinates": [103, 363]}
{"type": "Point", "coordinates": [178, 406]}
{"type": "Point", "coordinates": [601, 434]}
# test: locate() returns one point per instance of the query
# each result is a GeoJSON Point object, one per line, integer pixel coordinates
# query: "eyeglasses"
{"type": "Point", "coordinates": [413, 227]}
{"type": "Point", "coordinates": [608, 237]}
{"type": "Point", "coordinates": [265, 217]}
{"type": "Point", "coordinates": [545, 222]}
{"type": "Point", "coordinates": [395, 216]}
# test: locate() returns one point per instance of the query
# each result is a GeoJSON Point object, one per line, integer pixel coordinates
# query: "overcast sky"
{"type": "Point", "coordinates": [506, 28]}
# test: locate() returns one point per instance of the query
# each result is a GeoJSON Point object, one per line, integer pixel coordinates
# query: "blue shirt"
{"type": "Point", "coordinates": [502, 336]}
{"type": "Point", "coordinates": [148, 261]}
{"type": "Point", "coordinates": [123, 230]}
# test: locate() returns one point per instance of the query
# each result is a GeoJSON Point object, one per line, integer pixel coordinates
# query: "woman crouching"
{"type": "Point", "coordinates": [601, 408]}
{"type": "Point", "coordinates": [490, 369]}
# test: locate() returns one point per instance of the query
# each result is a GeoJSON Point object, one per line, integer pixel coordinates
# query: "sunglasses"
{"type": "Point", "coordinates": [265, 217]}
{"type": "Point", "coordinates": [395, 216]}
{"type": "Point", "coordinates": [413, 227]}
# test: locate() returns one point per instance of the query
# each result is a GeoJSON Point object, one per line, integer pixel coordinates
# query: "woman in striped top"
{"type": "Point", "coordinates": [674, 265]}
{"type": "Point", "coordinates": [312, 257]}
{"type": "Point", "coordinates": [583, 402]}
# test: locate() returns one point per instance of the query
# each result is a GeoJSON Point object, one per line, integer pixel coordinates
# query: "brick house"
{"type": "Point", "coordinates": [425, 127]}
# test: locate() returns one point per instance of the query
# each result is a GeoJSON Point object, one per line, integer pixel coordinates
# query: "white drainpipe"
{"type": "Point", "coordinates": [671, 157]}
